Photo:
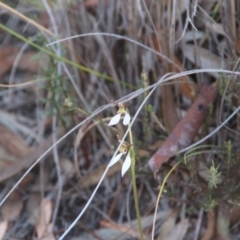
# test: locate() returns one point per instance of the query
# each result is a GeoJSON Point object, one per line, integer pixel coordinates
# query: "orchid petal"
{"type": "Point", "coordinates": [115, 159]}
{"type": "Point", "coordinates": [115, 119]}
{"type": "Point", "coordinates": [126, 165]}
{"type": "Point", "coordinates": [126, 119]}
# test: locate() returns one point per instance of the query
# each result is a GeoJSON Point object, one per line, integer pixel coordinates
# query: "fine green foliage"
{"type": "Point", "coordinates": [210, 203]}
{"type": "Point", "coordinates": [213, 177]}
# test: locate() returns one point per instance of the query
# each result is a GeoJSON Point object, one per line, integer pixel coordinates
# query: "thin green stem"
{"type": "Point", "coordinates": [133, 162]}
{"type": "Point", "coordinates": [159, 196]}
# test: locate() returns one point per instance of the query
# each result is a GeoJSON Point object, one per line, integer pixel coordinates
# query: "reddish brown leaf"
{"type": "Point", "coordinates": [184, 133]}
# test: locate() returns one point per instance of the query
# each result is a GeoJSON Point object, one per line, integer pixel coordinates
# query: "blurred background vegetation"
{"type": "Point", "coordinates": [46, 90]}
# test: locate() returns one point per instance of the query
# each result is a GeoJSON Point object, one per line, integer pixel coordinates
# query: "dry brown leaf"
{"type": "Point", "coordinates": [178, 231]}
{"type": "Point", "coordinates": [91, 3]}
{"type": "Point", "coordinates": [43, 19]}
{"type": "Point", "coordinates": [32, 208]}
{"type": "Point", "coordinates": [142, 153]}
{"type": "Point", "coordinates": [215, 28]}
{"type": "Point", "coordinates": [67, 167]}
{"type": "Point", "coordinates": [12, 208]}
{"type": "Point", "coordinates": [156, 145]}
{"type": "Point", "coordinates": [205, 59]}
{"type": "Point", "coordinates": [131, 227]}
{"type": "Point", "coordinates": [170, 116]}
{"type": "Point", "coordinates": [207, 6]}
{"type": "Point", "coordinates": [24, 162]}
{"type": "Point", "coordinates": [44, 227]}
{"type": "Point", "coordinates": [186, 86]}
{"type": "Point", "coordinates": [33, 65]}
{"type": "Point", "coordinates": [237, 44]}
{"type": "Point", "coordinates": [5, 66]}
{"type": "Point", "coordinates": [181, 230]}
{"type": "Point", "coordinates": [9, 54]}
{"type": "Point", "coordinates": [168, 226]}
{"type": "Point", "coordinates": [124, 229]}
{"type": "Point", "coordinates": [210, 231]}
{"type": "Point", "coordinates": [6, 157]}
{"type": "Point", "coordinates": [169, 108]}
{"type": "Point", "coordinates": [12, 143]}
{"type": "Point", "coordinates": [3, 228]}
{"type": "Point", "coordinates": [5, 63]}
{"type": "Point", "coordinates": [172, 231]}
{"type": "Point", "coordinates": [94, 177]}
{"type": "Point", "coordinates": [11, 120]}
{"type": "Point", "coordinates": [235, 215]}
{"type": "Point", "coordinates": [115, 231]}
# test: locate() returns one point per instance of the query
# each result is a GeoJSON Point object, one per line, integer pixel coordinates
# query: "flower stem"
{"type": "Point", "coordinates": [132, 154]}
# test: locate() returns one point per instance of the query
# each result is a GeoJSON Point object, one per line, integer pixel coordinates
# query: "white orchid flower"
{"type": "Point", "coordinates": [124, 149]}
{"type": "Point", "coordinates": [122, 110]}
